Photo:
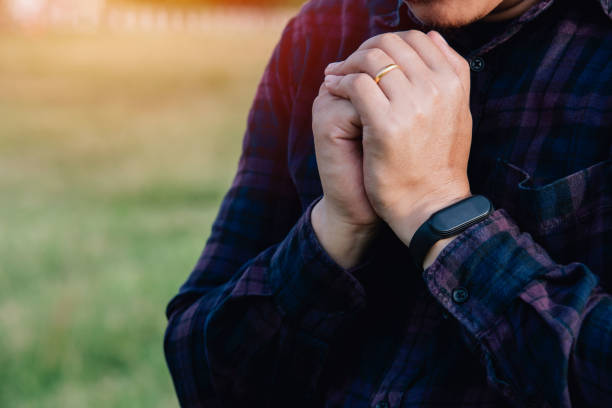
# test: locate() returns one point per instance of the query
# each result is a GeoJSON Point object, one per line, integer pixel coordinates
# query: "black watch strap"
{"type": "Point", "coordinates": [421, 243]}
{"type": "Point", "coordinates": [448, 222]}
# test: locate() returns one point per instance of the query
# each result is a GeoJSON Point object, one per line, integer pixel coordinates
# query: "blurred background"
{"type": "Point", "coordinates": [120, 130]}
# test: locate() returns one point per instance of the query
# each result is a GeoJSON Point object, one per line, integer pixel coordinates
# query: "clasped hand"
{"type": "Point", "coordinates": [397, 150]}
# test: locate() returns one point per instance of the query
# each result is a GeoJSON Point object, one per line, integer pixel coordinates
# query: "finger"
{"type": "Point", "coordinates": [341, 109]}
{"type": "Point", "coordinates": [398, 50]}
{"type": "Point", "coordinates": [367, 97]}
{"type": "Point", "coordinates": [348, 118]}
{"type": "Point", "coordinates": [459, 64]}
{"type": "Point", "coordinates": [428, 51]}
{"type": "Point", "coordinates": [394, 84]}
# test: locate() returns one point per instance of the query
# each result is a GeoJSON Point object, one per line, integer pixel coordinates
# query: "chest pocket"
{"type": "Point", "coordinates": [570, 217]}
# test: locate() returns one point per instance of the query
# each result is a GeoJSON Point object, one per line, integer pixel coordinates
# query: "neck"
{"type": "Point", "coordinates": [509, 9]}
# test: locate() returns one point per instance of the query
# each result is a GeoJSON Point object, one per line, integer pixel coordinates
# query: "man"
{"type": "Point", "coordinates": [356, 260]}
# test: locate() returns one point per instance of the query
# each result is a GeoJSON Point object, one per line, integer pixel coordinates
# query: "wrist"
{"type": "Point", "coordinates": [344, 242]}
{"type": "Point", "coordinates": [407, 222]}
{"type": "Point", "coordinates": [433, 236]}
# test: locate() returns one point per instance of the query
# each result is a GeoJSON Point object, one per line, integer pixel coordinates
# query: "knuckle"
{"type": "Point", "coordinates": [335, 132]}
{"type": "Point", "coordinates": [393, 129]}
{"type": "Point", "coordinates": [333, 65]}
{"type": "Point", "coordinates": [431, 88]}
{"type": "Point", "coordinates": [454, 84]}
{"type": "Point", "coordinates": [359, 80]}
{"type": "Point", "coordinates": [350, 80]}
{"type": "Point", "coordinates": [418, 111]}
{"type": "Point", "coordinates": [412, 35]}
{"type": "Point", "coordinates": [420, 114]}
{"type": "Point", "coordinates": [386, 39]}
{"type": "Point", "coordinates": [374, 56]}
{"type": "Point", "coordinates": [435, 93]}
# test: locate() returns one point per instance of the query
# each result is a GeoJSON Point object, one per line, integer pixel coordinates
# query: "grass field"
{"type": "Point", "coordinates": [115, 151]}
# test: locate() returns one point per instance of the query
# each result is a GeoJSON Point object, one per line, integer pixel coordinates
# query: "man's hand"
{"type": "Point", "coordinates": [343, 220]}
{"type": "Point", "coordinates": [417, 126]}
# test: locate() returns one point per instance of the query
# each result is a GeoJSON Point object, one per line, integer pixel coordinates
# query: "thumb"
{"type": "Point", "coordinates": [458, 63]}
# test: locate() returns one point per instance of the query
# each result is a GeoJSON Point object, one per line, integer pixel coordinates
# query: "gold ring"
{"type": "Point", "coordinates": [384, 72]}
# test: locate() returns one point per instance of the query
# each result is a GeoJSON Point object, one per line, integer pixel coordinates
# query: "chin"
{"type": "Point", "coordinates": [446, 13]}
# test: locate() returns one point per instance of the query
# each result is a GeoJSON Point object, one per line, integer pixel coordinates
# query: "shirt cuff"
{"type": "Point", "coordinates": [484, 269]}
{"type": "Point", "coordinates": [307, 282]}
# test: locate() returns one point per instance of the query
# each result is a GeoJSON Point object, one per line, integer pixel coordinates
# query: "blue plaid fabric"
{"type": "Point", "coordinates": [516, 311]}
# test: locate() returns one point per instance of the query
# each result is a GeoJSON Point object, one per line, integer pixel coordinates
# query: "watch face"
{"type": "Point", "coordinates": [461, 215]}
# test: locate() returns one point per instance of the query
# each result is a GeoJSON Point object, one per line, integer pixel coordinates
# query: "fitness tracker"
{"type": "Point", "coordinates": [448, 222]}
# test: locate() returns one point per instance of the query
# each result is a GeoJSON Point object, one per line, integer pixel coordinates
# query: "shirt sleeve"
{"type": "Point", "coordinates": [252, 324]}
{"type": "Point", "coordinates": [544, 330]}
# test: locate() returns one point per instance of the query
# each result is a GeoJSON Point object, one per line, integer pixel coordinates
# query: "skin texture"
{"type": "Point", "coordinates": [396, 151]}
{"type": "Point", "coordinates": [457, 13]}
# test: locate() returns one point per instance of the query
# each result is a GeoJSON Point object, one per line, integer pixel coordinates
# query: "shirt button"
{"type": "Point", "coordinates": [382, 404]}
{"type": "Point", "coordinates": [460, 295]}
{"type": "Point", "coordinates": [477, 64]}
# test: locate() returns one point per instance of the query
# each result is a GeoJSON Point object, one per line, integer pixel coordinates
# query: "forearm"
{"type": "Point", "coordinates": [524, 311]}
{"type": "Point", "coordinates": [273, 301]}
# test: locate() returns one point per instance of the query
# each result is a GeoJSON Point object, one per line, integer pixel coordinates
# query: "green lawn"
{"type": "Point", "coordinates": [115, 151]}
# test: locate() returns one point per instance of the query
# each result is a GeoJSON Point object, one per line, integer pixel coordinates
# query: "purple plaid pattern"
{"type": "Point", "coordinates": [516, 311]}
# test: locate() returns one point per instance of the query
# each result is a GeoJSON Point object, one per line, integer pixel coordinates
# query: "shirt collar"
{"type": "Point", "coordinates": [386, 13]}
{"type": "Point", "coordinates": [386, 16]}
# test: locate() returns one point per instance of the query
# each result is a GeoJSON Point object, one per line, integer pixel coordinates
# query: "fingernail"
{"type": "Point", "coordinates": [439, 35]}
{"type": "Point", "coordinates": [332, 80]}
{"type": "Point", "coordinates": [330, 67]}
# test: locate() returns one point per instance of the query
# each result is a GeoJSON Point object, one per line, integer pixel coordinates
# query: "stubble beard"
{"type": "Point", "coordinates": [442, 21]}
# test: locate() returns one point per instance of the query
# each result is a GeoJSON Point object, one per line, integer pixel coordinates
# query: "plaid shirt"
{"type": "Point", "coordinates": [516, 311]}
